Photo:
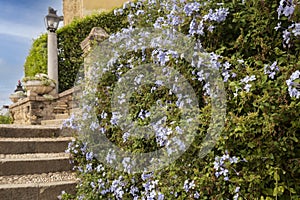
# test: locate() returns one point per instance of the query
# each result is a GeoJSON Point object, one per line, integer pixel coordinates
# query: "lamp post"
{"type": "Point", "coordinates": [52, 22]}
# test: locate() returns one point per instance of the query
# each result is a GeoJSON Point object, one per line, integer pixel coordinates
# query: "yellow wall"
{"type": "Point", "coordinates": [79, 8]}
{"type": "Point", "coordinates": [102, 4]}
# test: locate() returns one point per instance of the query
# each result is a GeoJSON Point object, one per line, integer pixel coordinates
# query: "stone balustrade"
{"type": "Point", "coordinates": [32, 110]}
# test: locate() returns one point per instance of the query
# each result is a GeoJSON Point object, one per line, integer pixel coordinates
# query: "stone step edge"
{"type": "Point", "coordinates": [43, 191]}
{"type": "Point", "coordinates": [37, 139]}
{"type": "Point", "coordinates": [27, 185]}
{"type": "Point", "coordinates": [38, 178]}
{"type": "Point", "coordinates": [22, 167]}
{"type": "Point", "coordinates": [53, 122]}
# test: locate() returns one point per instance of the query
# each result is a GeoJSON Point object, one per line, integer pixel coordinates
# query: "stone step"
{"type": "Point", "coordinates": [33, 145]}
{"type": "Point", "coordinates": [28, 131]}
{"type": "Point", "coordinates": [53, 122]}
{"type": "Point", "coordinates": [33, 191]}
{"type": "Point", "coordinates": [62, 116]}
{"type": "Point", "coordinates": [20, 164]}
{"type": "Point", "coordinates": [38, 178]}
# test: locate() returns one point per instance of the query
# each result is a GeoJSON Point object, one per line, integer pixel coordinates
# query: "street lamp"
{"type": "Point", "coordinates": [52, 22]}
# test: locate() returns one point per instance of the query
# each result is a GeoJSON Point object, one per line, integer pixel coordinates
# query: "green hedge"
{"type": "Point", "coordinates": [5, 119]}
{"type": "Point", "coordinates": [259, 145]}
{"type": "Point", "coordinates": [69, 51]}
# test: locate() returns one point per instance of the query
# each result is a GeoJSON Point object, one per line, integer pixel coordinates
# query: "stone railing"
{"type": "Point", "coordinates": [33, 110]}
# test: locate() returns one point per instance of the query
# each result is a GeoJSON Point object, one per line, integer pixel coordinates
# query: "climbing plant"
{"type": "Point", "coordinates": [254, 45]}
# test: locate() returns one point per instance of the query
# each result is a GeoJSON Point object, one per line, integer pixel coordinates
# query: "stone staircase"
{"type": "Point", "coordinates": [33, 163]}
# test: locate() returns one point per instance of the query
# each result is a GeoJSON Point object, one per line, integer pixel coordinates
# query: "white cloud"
{"type": "Point", "coordinates": [20, 30]}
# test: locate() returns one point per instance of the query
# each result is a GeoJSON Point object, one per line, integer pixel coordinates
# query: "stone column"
{"type": "Point", "coordinates": [96, 36]}
{"type": "Point", "coordinates": [52, 58]}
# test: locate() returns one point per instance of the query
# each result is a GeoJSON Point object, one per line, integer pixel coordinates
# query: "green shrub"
{"type": "Point", "coordinates": [5, 119]}
{"type": "Point", "coordinates": [257, 153]}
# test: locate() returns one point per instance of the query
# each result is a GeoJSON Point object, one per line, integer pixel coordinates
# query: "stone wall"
{"type": "Point", "coordinates": [72, 9]}
{"type": "Point", "coordinates": [33, 110]}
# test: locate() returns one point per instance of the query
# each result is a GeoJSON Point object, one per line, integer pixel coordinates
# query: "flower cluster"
{"type": "Point", "coordinates": [246, 81]}
{"type": "Point", "coordinates": [188, 185]}
{"type": "Point", "coordinates": [222, 164]}
{"type": "Point", "coordinates": [286, 8]}
{"type": "Point", "coordinates": [293, 85]}
{"type": "Point", "coordinates": [219, 15]}
{"type": "Point", "coordinates": [271, 70]}
{"type": "Point", "coordinates": [191, 8]}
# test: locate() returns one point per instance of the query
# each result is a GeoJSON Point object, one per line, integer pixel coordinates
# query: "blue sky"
{"type": "Point", "coordinates": [20, 22]}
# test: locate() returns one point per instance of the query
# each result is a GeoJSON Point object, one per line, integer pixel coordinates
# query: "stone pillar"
{"type": "Point", "coordinates": [96, 36]}
{"type": "Point", "coordinates": [52, 58]}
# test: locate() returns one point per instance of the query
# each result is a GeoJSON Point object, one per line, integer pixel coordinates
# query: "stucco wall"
{"type": "Point", "coordinates": [79, 8]}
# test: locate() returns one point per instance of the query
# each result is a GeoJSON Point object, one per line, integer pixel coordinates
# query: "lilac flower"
{"type": "Point", "coordinates": [187, 186]}
{"type": "Point", "coordinates": [117, 188]}
{"type": "Point", "coordinates": [196, 28]}
{"type": "Point", "coordinates": [162, 57]}
{"type": "Point", "coordinates": [83, 148]}
{"type": "Point", "coordinates": [226, 75]}
{"type": "Point", "coordinates": [118, 11]}
{"type": "Point", "coordinates": [70, 123]}
{"type": "Point", "coordinates": [133, 191]}
{"type": "Point", "coordinates": [159, 22]}
{"type": "Point", "coordinates": [138, 79]}
{"type": "Point", "coordinates": [126, 164]}
{"type": "Point", "coordinates": [146, 176]}
{"type": "Point", "coordinates": [211, 28]}
{"type": "Point", "coordinates": [236, 191]}
{"type": "Point", "coordinates": [288, 11]}
{"type": "Point", "coordinates": [233, 160]}
{"type": "Point", "coordinates": [286, 8]}
{"type": "Point", "coordinates": [121, 98]}
{"type": "Point", "coordinates": [296, 30]}
{"type": "Point", "coordinates": [125, 136]}
{"type": "Point", "coordinates": [89, 167]}
{"type": "Point", "coordinates": [271, 70]}
{"type": "Point", "coordinates": [111, 156]}
{"type": "Point", "coordinates": [103, 115]}
{"type": "Point", "coordinates": [89, 156]}
{"type": "Point", "coordinates": [190, 8]}
{"type": "Point", "coordinates": [221, 163]}
{"type": "Point", "coordinates": [94, 126]}
{"type": "Point", "coordinates": [219, 15]}
{"type": "Point", "coordinates": [196, 195]}
{"type": "Point", "coordinates": [99, 168]}
{"type": "Point", "coordinates": [115, 118]}
{"type": "Point", "coordinates": [286, 38]}
{"type": "Point", "coordinates": [92, 184]}
{"type": "Point", "coordinates": [206, 88]}
{"type": "Point", "coordinates": [247, 87]}
{"type": "Point", "coordinates": [278, 26]}
{"type": "Point", "coordinates": [293, 87]}
{"type": "Point", "coordinates": [248, 79]}
{"type": "Point", "coordinates": [160, 196]}
{"type": "Point", "coordinates": [174, 20]}
{"type": "Point", "coordinates": [140, 12]}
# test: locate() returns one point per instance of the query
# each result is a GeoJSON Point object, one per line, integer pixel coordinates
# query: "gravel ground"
{"type": "Point", "coordinates": [38, 178]}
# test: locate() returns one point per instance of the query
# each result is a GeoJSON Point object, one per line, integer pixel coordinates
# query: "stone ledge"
{"type": "Point", "coordinates": [33, 110]}
{"type": "Point", "coordinates": [41, 191]}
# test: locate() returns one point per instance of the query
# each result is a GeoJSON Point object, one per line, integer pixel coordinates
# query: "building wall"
{"type": "Point", "coordinates": [73, 9]}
